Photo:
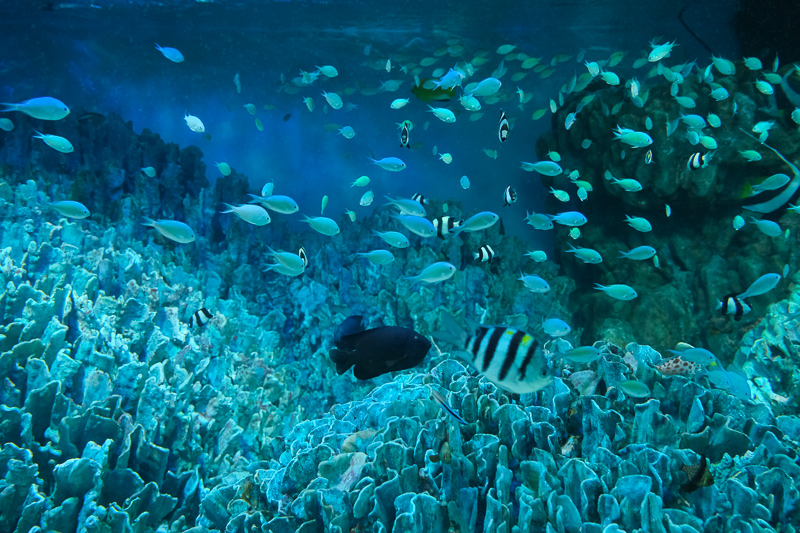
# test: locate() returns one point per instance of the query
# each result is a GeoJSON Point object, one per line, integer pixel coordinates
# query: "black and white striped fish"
{"type": "Point", "coordinates": [484, 253]}
{"type": "Point", "coordinates": [502, 130]}
{"type": "Point", "coordinates": [509, 357]}
{"type": "Point", "coordinates": [200, 318]}
{"type": "Point", "coordinates": [698, 160]}
{"type": "Point", "coordinates": [509, 196]}
{"type": "Point", "coordinates": [302, 253]}
{"type": "Point", "coordinates": [419, 198]}
{"type": "Point", "coordinates": [445, 225]}
{"type": "Point", "coordinates": [404, 140]}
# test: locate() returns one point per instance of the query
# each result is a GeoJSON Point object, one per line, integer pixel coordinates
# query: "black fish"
{"type": "Point", "coordinates": [502, 131]}
{"type": "Point", "coordinates": [376, 351]}
{"type": "Point", "coordinates": [200, 318]}
{"type": "Point", "coordinates": [286, 117]}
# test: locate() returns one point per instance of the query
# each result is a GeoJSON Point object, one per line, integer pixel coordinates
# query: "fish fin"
{"type": "Point", "coordinates": [342, 359]}
{"type": "Point", "coordinates": [149, 222]}
{"type": "Point", "coordinates": [451, 332]}
{"type": "Point", "coordinates": [9, 107]}
{"type": "Point", "coordinates": [351, 325]}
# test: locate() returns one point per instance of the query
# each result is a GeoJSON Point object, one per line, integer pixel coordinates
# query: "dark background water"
{"type": "Point", "coordinates": [100, 57]}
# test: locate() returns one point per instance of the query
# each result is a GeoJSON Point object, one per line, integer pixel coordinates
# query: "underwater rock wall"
{"type": "Point", "coordinates": [701, 256]}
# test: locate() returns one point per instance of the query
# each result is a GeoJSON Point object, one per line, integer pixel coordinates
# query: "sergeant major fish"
{"type": "Point", "coordinates": [200, 318]}
{"type": "Point", "coordinates": [509, 357]}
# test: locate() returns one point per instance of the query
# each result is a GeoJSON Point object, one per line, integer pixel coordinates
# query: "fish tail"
{"type": "Point", "coordinates": [342, 359]}
{"type": "Point", "coordinates": [9, 107]}
{"type": "Point", "coordinates": [229, 208]}
{"type": "Point", "coordinates": [148, 222]}
{"type": "Point", "coordinates": [451, 332]}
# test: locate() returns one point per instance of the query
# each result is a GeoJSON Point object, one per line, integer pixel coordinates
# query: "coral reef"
{"type": "Point", "coordinates": [117, 416]}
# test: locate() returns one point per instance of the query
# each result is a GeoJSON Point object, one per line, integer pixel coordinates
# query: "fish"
{"type": "Point", "coordinates": [634, 388]}
{"type": "Point", "coordinates": [444, 225]}
{"type": "Point", "coordinates": [640, 253]}
{"type": "Point", "coordinates": [762, 285]}
{"type": "Point", "coordinates": [347, 132]}
{"type": "Point", "coordinates": [502, 130]}
{"type": "Point", "coordinates": [393, 238]}
{"type": "Point", "coordinates": [417, 197]}
{"type": "Point", "coordinates": [477, 222]}
{"type": "Point", "coordinates": [172, 229]}
{"type": "Point", "coordinates": [406, 206]}
{"type": "Point", "coordinates": [570, 218]}
{"type": "Point", "coordinates": [295, 262]}
{"type": "Point", "coordinates": [43, 108]}
{"type": "Point", "coordinates": [630, 185]}
{"type": "Point", "coordinates": [698, 160]}
{"type": "Point", "coordinates": [539, 221]}
{"type": "Point", "coordinates": [333, 99]}
{"type": "Point", "coordinates": [404, 138]}
{"type": "Point", "coordinates": [250, 213]}
{"type": "Point", "coordinates": [276, 202]}
{"type": "Point", "coordinates": [538, 256]}
{"type": "Point", "coordinates": [587, 255]}
{"type": "Point", "coordinates": [56, 142]}
{"type": "Point", "coordinates": [582, 355]}
{"type": "Point", "coordinates": [173, 54]}
{"type": "Point", "coordinates": [6, 124]}
{"type": "Point", "coordinates": [194, 123]}
{"type": "Point", "coordinates": [224, 169]}
{"type": "Point", "coordinates": [485, 253]}
{"type": "Point", "coordinates": [534, 283]}
{"type": "Point", "coordinates": [399, 103]}
{"type": "Point", "coordinates": [363, 181]}
{"type": "Point", "coordinates": [767, 227]}
{"type": "Point", "coordinates": [732, 304]}
{"type": "Point", "coordinates": [434, 273]}
{"type": "Point", "coordinates": [676, 366]}
{"type": "Point", "coordinates": [366, 198]}
{"type": "Point", "coordinates": [555, 327]}
{"type": "Point", "coordinates": [639, 223]}
{"type": "Point", "coordinates": [200, 318]}
{"type": "Point", "coordinates": [378, 257]}
{"type": "Point", "coordinates": [302, 254]}
{"type": "Point", "coordinates": [698, 356]}
{"type": "Point", "coordinates": [417, 225]}
{"type": "Point", "coordinates": [509, 196]}
{"type": "Point", "coordinates": [443, 114]}
{"type": "Point", "coordinates": [546, 168]}
{"type": "Point", "coordinates": [70, 209]}
{"type": "Point", "coordinates": [634, 139]}
{"type": "Point", "coordinates": [446, 407]}
{"type": "Point", "coordinates": [509, 357]}
{"type": "Point", "coordinates": [377, 351]}
{"type": "Point", "coordinates": [660, 51]}
{"type": "Point", "coordinates": [648, 157]}
{"type": "Point", "coordinates": [324, 225]}
{"type": "Point", "coordinates": [618, 291]}
{"type": "Point", "coordinates": [392, 164]}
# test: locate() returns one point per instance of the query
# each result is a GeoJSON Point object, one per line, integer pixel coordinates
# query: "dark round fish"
{"type": "Point", "coordinates": [200, 318]}
{"type": "Point", "coordinates": [376, 351]}
{"type": "Point", "coordinates": [509, 196]}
